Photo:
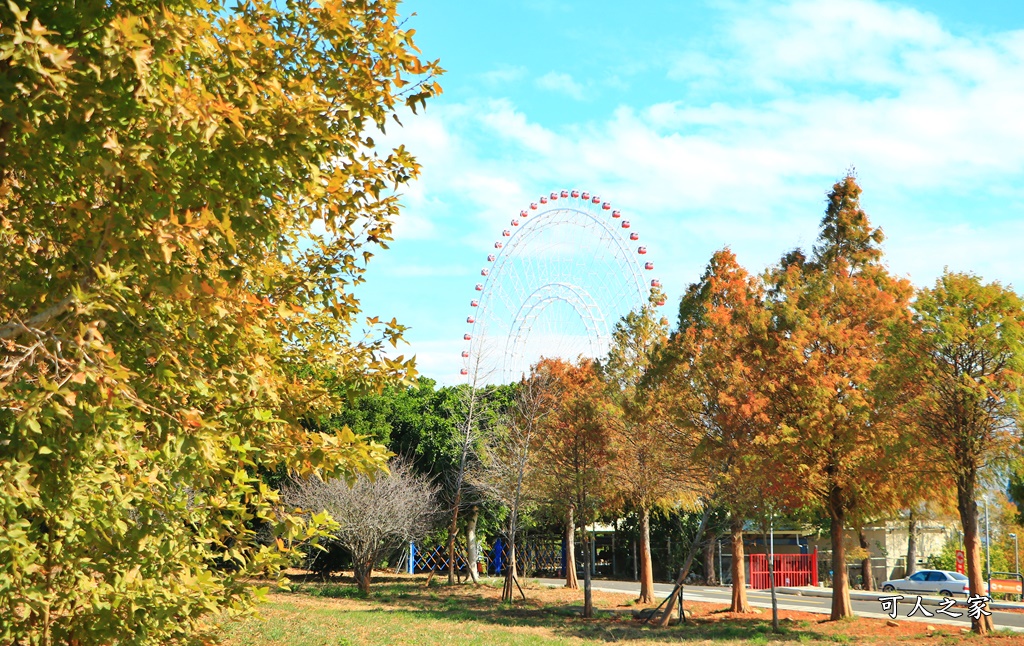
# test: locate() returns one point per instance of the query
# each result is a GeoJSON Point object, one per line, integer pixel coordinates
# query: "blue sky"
{"type": "Point", "coordinates": [709, 124]}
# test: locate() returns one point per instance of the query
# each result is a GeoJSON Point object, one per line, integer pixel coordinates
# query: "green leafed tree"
{"type": "Point", "coordinates": [971, 363]}
{"type": "Point", "coordinates": [188, 193]}
{"type": "Point", "coordinates": [649, 465]}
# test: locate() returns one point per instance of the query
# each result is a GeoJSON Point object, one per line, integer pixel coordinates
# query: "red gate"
{"type": "Point", "coordinates": [790, 570]}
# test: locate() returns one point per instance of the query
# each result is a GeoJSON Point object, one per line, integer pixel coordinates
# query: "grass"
{"type": "Point", "coordinates": [401, 610]}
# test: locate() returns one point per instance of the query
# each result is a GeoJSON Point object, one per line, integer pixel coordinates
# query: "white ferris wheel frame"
{"type": "Point", "coordinates": [531, 300]}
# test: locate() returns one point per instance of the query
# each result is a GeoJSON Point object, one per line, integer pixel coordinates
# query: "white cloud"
{"type": "Point", "coordinates": [562, 83]}
{"type": "Point", "coordinates": [504, 75]}
{"type": "Point", "coordinates": [930, 119]}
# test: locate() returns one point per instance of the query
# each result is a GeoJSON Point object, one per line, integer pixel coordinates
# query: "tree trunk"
{"type": "Point", "coordinates": [739, 573]}
{"type": "Point", "coordinates": [362, 573]}
{"type": "Point", "coordinates": [571, 581]}
{"type": "Point", "coordinates": [510, 573]}
{"type": "Point", "coordinates": [865, 565]}
{"type": "Point", "coordinates": [588, 599]}
{"type": "Point", "coordinates": [709, 560]}
{"type": "Point", "coordinates": [972, 546]}
{"type": "Point", "coordinates": [840, 581]}
{"type": "Point", "coordinates": [911, 545]}
{"type": "Point", "coordinates": [472, 554]}
{"type": "Point", "coordinates": [646, 573]}
{"type": "Point", "coordinates": [453, 531]}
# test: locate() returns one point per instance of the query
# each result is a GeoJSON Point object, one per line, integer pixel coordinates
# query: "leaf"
{"type": "Point", "coordinates": [19, 14]}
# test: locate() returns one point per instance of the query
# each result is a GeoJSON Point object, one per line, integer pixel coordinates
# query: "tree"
{"type": "Point", "coordinates": [469, 403]}
{"type": "Point", "coordinates": [648, 465]}
{"type": "Point", "coordinates": [573, 457]}
{"type": "Point", "coordinates": [829, 386]}
{"type": "Point", "coordinates": [373, 516]}
{"type": "Point", "coordinates": [169, 315]}
{"type": "Point", "coordinates": [972, 364]}
{"type": "Point", "coordinates": [506, 467]}
{"type": "Point", "coordinates": [713, 369]}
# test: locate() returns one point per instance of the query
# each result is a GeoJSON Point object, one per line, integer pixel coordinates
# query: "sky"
{"type": "Point", "coordinates": [710, 124]}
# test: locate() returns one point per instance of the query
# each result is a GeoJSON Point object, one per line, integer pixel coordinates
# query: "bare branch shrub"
{"type": "Point", "coordinates": [375, 517]}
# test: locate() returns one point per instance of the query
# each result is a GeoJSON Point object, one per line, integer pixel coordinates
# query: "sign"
{"type": "Point", "coordinates": [960, 561]}
{"type": "Point", "coordinates": [1009, 586]}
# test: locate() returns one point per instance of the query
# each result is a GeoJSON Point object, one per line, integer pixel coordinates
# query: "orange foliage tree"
{"type": "Point", "coordinates": [712, 369]}
{"type": "Point", "coordinates": [832, 321]}
{"type": "Point", "coordinates": [574, 451]}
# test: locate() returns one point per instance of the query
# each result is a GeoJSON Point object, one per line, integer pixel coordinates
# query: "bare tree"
{"type": "Point", "coordinates": [469, 403]}
{"type": "Point", "coordinates": [506, 463]}
{"type": "Point", "coordinates": [375, 516]}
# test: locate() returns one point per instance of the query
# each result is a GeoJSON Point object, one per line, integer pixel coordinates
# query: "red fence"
{"type": "Point", "coordinates": [790, 570]}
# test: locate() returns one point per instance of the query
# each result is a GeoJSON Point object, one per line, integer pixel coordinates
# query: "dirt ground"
{"type": "Point", "coordinates": [403, 609]}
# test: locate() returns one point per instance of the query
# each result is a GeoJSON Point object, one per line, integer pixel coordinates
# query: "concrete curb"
{"type": "Point", "coordinates": [873, 596]}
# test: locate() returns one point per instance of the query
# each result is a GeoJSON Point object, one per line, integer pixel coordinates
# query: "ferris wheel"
{"type": "Point", "coordinates": [556, 282]}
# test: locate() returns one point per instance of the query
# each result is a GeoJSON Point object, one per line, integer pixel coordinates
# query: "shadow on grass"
{"type": "Point", "coordinates": [464, 604]}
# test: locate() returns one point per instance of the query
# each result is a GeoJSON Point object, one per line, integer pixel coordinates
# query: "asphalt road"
{"type": "Point", "coordinates": [820, 605]}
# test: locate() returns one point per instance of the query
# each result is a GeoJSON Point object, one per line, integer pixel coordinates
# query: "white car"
{"type": "Point", "coordinates": [940, 582]}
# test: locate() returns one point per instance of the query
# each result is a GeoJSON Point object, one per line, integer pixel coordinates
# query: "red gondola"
{"type": "Point", "coordinates": [474, 303]}
{"type": "Point", "coordinates": [523, 214]}
{"type": "Point", "coordinates": [554, 195]}
{"type": "Point", "coordinates": [533, 205]}
{"type": "Point", "coordinates": [634, 236]}
{"type": "Point", "coordinates": [499, 245]}
{"type": "Point", "coordinates": [649, 266]}
{"type": "Point", "coordinates": [596, 200]}
{"type": "Point", "coordinates": [463, 372]}
{"type": "Point", "coordinates": [585, 197]}
{"type": "Point", "coordinates": [661, 302]}
{"type": "Point", "coordinates": [575, 193]}
{"type": "Point", "coordinates": [565, 193]}
{"type": "Point", "coordinates": [625, 224]}
{"type": "Point", "coordinates": [479, 287]}
{"type": "Point", "coordinates": [641, 250]}
{"type": "Point", "coordinates": [485, 271]}
{"type": "Point", "coordinates": [465, 354]}
{"type": "Point", "coordinates": [606, 206]}
{"type": "Point", "coordinates": [491, 257]}
{"type": "Point", "coordinates": [506, 233]}
{"type": "Point", "coordinates": [655, 283]}
{"type": "Point", "coordinates": [543, 200]}
{"type": "Point", "coordinates": [470, 319]}
{"type": "Point", "coordinates": [515, 223]}
{"type": "Point", "coordinates": [467, 337]}
{"type": "Point", "coordinates": [616, 214]}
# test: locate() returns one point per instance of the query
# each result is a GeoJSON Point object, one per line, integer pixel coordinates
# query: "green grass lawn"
{"type": "Point", "coordinates": [402, 610]}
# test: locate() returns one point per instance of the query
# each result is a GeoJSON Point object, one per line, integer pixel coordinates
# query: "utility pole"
{"type": "Point", "coordinates": [721, 574]}
{"type": "Point", "coordinates": [988, 555]}
{"type": "Point", "coordinates": [1016, 559]}
{"type": "Point", "coordinates": [771, 569]}
{"type": "Point", "coordinates": [1016, 554]}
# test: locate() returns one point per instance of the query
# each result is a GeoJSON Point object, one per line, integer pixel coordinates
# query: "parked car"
{"type": "Point", "coordinates": [941, 582]}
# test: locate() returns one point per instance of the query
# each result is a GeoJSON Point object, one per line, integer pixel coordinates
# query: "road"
{"type": "Point", "coordinates": [819, 605]}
